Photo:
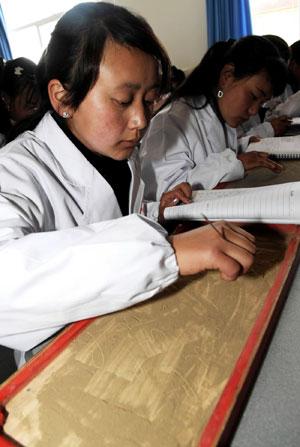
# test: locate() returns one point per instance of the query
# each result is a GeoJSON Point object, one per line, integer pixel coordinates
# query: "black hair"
{"type": "Point", "coordinates": [177, 77]}
{"type": "Point", "coordinates": [205, 75]}
{"type": "Point", "coordinates": [249, 56]}
{"type": "Point", "coordinates": [74, 53]}
{"type": "Point", "coordinates": [4, 118]}
{"type": "Point", "coordinates": [281, 45]}
{"type": "Point", "coordinates": [294, 64]}
{"type": "Point", "coordinates": [295, 52]}
{"type": "Point", "coordinates": [18, 77]}
{"type": "Point", "coordinates": [77, 44]}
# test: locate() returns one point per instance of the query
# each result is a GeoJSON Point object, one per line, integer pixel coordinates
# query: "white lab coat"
{"type": "Point", "coordinates": [276, 106]}
{"type": "Point", "coordinates": [285, 104]}
{"type": "Point", "coordinates": [184, 144]}
{"type": "Point", "coordinates": [290, 107]}
{"type": "Point", "coordinates": [254, 127]}
{"type": "Point", "coordinates": [66, 253]}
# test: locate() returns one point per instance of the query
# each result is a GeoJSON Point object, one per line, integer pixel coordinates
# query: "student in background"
{"type": "Point", "coordinates": [289, 103]}
{"type": "Point", "coordinates": [256, 126]}
{"type": "Point", "coordinates": [73, 242]}
{"type": "Point", "coordinates": [194, 139]}
{"type": "Point", "coordinates": [20, 96]}
{"type": "Point", "coordinates": [4, 120]}
{"type": "Point", "coordinates": [294, 66]}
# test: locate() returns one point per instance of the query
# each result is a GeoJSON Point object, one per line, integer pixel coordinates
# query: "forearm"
{"type": "Point", "coordinates": [215, 168]}
{"type": "Point", "coordinates": [52, 279]}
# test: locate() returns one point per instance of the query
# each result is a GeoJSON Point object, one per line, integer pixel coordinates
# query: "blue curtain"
{"type": "Point", "coordinates": [227, 19]}
{"type": "Point", "coordinates": [5, 51]}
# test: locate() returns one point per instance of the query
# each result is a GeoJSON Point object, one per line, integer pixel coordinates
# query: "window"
{"type": "Point", "coordinates": [30, 28]}
{"type": "Point", "coordinates": [279, 17]}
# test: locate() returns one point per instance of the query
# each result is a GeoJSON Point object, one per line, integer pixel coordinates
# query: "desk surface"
{"type": "Point", "coordinates": [264, 177]}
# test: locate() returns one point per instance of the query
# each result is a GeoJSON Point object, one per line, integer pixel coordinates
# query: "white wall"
{"type": "Point", "coordinates": [179, 24]}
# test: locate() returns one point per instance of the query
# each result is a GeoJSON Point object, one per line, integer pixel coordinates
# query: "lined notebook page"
{"type": "Point", "coordinates": [295, 121]}
{"type": "Point", "coordinates": [281, 146]}
{"type": "Point", "coordinates": [270, 204]}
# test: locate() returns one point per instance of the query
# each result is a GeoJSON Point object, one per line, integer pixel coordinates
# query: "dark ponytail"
{"type": "Point", "coordinates": [249, 55]}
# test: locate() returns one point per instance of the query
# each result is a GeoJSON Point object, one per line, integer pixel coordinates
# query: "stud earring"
{"type": "Point", "coordinates": [220, 93]}
{"type": "Point", "coordinates": [66, 115]}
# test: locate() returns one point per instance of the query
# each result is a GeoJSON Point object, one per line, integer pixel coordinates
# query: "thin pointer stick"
{"type": "Point", "coordinates": [215, 228]}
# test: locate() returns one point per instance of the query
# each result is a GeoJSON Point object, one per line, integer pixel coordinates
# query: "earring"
{"type": "Point", "coordinates": [66, 115]}
{"type": "Point", "coordinates": [220, 93]}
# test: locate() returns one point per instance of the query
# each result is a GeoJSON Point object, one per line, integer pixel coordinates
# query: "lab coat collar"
{"type": "Point", "coordinates": [80, 171]}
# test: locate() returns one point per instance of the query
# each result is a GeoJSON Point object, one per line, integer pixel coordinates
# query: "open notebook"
{"type": "Point", "coordinates": [267, 204]}
{"type": "Point", "coordinates": [278, 147]}
{"type": "Point", "coordinates": [295, 121]}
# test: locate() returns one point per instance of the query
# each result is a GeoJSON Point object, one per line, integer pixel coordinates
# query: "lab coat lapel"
{"type": "Point", "coordinates": [137, 185]}
{"type": "Point", "coordinates": [98, 199]}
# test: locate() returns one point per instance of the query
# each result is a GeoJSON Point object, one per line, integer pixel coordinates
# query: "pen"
{"type": "Point", "coordinates": [211, 223]}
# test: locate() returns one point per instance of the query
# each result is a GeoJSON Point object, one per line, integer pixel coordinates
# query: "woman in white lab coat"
{"type": "Point", "coordinates": [19, 95]}
{"type": "Point", "coordinates": [289, 104]}
{"type": "Point", "coordinates": [73, 243]}
{"type": "Point", "coordinates": [194, 139]}
{"type": "Point", "coordinates": [256, 125]}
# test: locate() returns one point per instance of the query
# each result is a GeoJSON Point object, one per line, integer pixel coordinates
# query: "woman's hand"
{"type": "Point", "coordinates": [182, 193]}
{"type": "Point", "coordinates": [280, 125]}
{"type": "Point", "coordinates": [255, 159]}
{"type": "Point", "coordinates": [254, 139]}
{"type": "Point", "coordinates": [230, 250]}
